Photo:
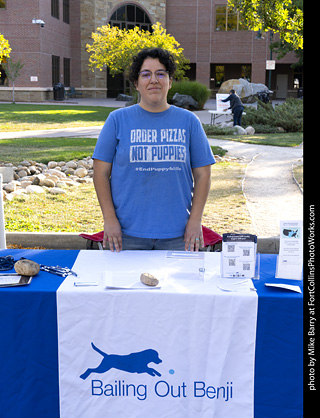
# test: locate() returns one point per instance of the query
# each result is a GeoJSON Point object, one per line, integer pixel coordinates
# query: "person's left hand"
{"type": "Point", "coordinates": [193, 236]}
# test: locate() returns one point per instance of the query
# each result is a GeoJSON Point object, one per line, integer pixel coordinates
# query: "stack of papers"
{"type": "Point", "coordinates": [291, 287]}
{"type": "Point", "coordinates": [236, 285]}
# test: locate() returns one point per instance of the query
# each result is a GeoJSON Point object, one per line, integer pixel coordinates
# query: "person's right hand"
{"type": "Point", "coordinates": [113, 234]}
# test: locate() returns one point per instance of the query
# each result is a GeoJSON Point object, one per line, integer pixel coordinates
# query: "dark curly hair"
{"type": "Point", "coordinates": [164, 56]}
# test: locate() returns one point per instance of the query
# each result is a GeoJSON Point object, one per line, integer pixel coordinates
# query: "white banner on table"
{"type": "Point", "coordinates": [221, 106]}
{"type": "Point", "coordinates": [183, 351]}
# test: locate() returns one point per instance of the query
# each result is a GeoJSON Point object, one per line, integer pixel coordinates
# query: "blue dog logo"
{"type": "Point", "coordinates": [131, 363]}
{"type": "Point", "coordinates": [291, 233]}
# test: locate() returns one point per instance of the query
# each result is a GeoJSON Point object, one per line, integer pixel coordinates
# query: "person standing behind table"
{"type": "Point", "coordinates": [152, 166]}
{"type": "Point", "coordinates": [236, 107]}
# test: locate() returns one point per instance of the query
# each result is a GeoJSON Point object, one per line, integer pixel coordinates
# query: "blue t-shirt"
{"type": "Point", "coordinates": [152, 155]}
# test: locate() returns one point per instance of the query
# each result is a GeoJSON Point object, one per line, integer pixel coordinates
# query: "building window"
{"type": "Point", "coordinates": [66, 11]}
{"type": "Point", "coordinates": [3, 4]}
{"type": "Point", "coordinates": [55, 69]}
{"type": "Point", "coordinates": [246, 72]}
{"type": "Point", "coordinates": [297, 78]}
{"type": "Point", "coordinates": [66, 71]}
{"type": "Point", "coordinates": [228, 19]}
{"type": "Point", "coordinates": [219, 75]}
{"type": "Point", "coordinates": [55, 8]}
{"type": "Point", "coordinates": [128, 16]}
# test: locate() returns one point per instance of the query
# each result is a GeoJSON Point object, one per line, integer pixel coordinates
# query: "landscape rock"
{"type": "Point", "coordinates": [250, 130]}
{"type": "Point", "coordinates": [34, 189]}
{"type": "Point", "coordinates": [52, 164]}
{"type": "Point", "coordinates": [57, 190]}
{"type": "Point", "coordinates": [72, 164]}
{"type": "Point", "coordinates": [81, 172]}
{"type": "Point", "coordinates": [48, 182]}
{"type": "Point", "coordinates": [245, 90]}
{"type": "Point", "coordinates": [185, 101]}
{"type": "Point", "coordinates": [69, 171]}
{"type": "Point", "coordinates": [238, 130]}
{"type": "Point", "coordinates": [9, 187]}
{"type": "Point", "coordinates": [7, 174]}
{"type": "Point", "coordinates": [25, 163]}
{"type": "Point", "coordinates": [56, 172]}
{"type": "Point", "coordinates": [61, 184]}
{"type": "Point", "coordinates": [24, 184]}
{"type": "Point", "coordinates": [38, 179]}
{"type": "Point", "coordinates": [55, 177]}
{"type": "Point", "coordinates": [23, 173]}
{"type": "Point", "coordinates": [52, 177]}
{"type": "Point", "coordinates": [33, 169]}
{"type": "Point", "coordinates": [123, 98]}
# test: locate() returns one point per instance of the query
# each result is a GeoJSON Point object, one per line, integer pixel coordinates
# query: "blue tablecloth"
{"type": "Point", "coordinates": [29, 349]}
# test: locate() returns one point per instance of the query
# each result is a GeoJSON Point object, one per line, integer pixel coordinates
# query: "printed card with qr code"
{"type": "Point", "coordinates": [239, 255]}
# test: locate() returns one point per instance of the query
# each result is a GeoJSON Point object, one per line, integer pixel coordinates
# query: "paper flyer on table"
{"type": "Point", "coordinates": [284, 286]}
{"type": "Point", "coordinates": [290, 259]}
{"type": "Point", "coordinates": [239, 255]}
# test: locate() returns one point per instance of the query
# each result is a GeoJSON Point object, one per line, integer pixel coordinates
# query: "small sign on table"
{"type": "Point", "coordinates": [290, 258]}
{"type": "Point", "coordinates": [239, 256]}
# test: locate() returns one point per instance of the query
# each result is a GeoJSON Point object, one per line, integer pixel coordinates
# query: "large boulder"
{"type": "Point", "coordinates": [245, 90]}
{"type": "Point", "coordinates": [123, 98]}
{"type": "Point", "coordinates": [185, 101]}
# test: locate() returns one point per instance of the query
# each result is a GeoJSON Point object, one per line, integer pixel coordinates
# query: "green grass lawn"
{"type": "Point", "coordinates": [43, 150]}
{"type": "Point", "coordinates": [25, 117]}
{"type": "Point", "coordinates": [291, 139]}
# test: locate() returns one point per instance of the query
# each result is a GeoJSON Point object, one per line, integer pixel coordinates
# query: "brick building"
{"type": "Point", "coordinates": [50, 37]}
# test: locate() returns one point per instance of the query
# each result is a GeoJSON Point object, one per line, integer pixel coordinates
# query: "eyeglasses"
{"type": "Point", "coordinates": [147, 75]}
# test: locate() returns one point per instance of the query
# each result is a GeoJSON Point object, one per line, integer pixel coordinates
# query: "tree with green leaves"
{"type": "Point", "coordinates": [280, 16]}
{"type": "Point", "coordinates": [115, 48]}
{"type": "Point", "coordinates": [13, 70]}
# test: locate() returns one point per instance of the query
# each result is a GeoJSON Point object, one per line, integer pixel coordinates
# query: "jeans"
{"type": "Point", "coordinates": [135, 243]}
{"type": "Point", "coordinates": [237, 114]}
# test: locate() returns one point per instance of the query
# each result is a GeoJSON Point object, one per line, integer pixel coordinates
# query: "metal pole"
{"type": "Point", "coordinates": [270, 71]}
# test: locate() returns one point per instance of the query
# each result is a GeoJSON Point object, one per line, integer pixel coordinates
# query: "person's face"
{"type": "Point", "coordinates": [153, 85]}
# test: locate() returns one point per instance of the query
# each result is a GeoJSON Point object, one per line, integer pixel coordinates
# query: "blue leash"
{"type": "Point", "coordinates": [7, 263]}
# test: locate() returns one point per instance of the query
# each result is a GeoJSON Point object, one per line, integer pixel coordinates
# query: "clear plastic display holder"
{"type": "Point", "coordinates": [182, 265]}
{"type": "Point", "coordinates": [239, 256]}
{"type": "Point", "coordinates": [257, 267]}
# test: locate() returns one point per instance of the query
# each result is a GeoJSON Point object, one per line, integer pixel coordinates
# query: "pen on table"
{"type": "Point", "coordinates": [86, 283]}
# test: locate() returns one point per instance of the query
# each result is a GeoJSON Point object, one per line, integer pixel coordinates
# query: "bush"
{"type": "Point", "coordinates": [288, 116]}
{"type": "Point", "coordinates": [266, 129]}
{"type": "Point", "coordinates": [216, 130]}
{"type": "Point", "coordinates": [198, 91]}
{"type": "Point", "coordinates": [218, 150]}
